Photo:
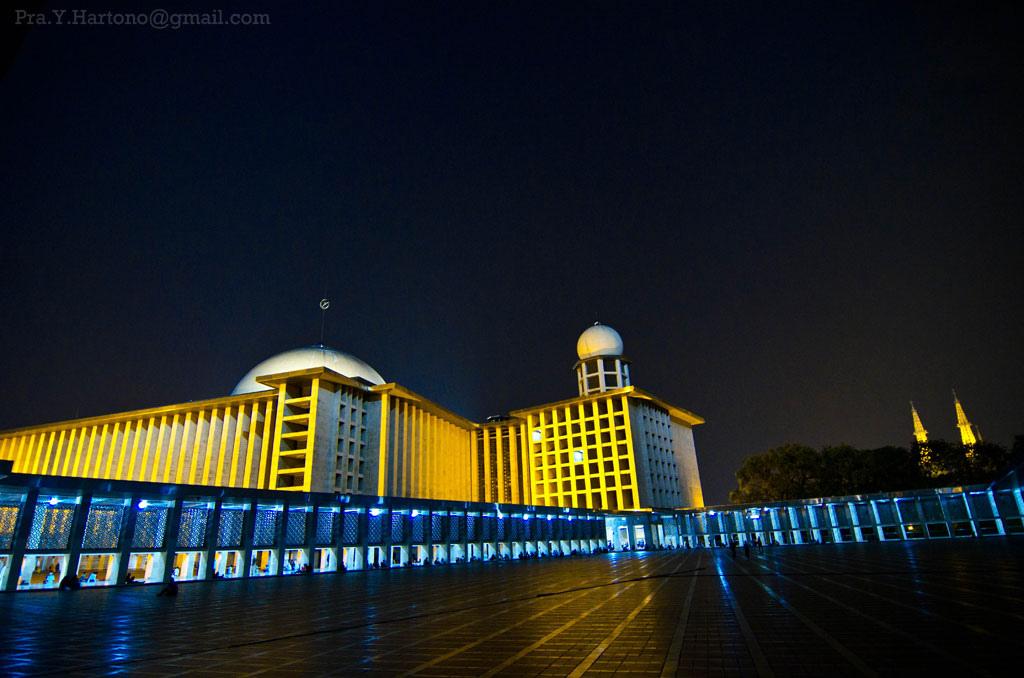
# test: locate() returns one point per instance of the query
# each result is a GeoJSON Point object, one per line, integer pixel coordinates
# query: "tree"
{"type": "Point", "coordinates": [945, 463]}
{"type": "Point", "coordinates": [893, 468]}
{"type": "Point", "coordinates": [786, 472]}
{"type": "Point", "coordinates": [843, 470]}
{"type": "Point", "coordinates": [800, 472]}
{"type": "Point", "coordinates": [942, 462]}
{"type": "Point", "coordinates": [986, 462]}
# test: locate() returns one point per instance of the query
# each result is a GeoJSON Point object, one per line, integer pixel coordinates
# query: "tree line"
{"type": "Point", "coordinates": [796, 471]}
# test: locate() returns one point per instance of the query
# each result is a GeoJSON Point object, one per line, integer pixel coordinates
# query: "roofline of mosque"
{"type": "Point", "coordinates": [128, 415]}
{"type": "Point", "coordinates": [389, 388]}
{"type": "Point", "coordinates": [324, 373]}
{"type": "Point", "coordinates": [272, 381]}
{"type": "Point", "coordinates": [395, 389]}
{"type": "Point", "coordinates": [675, 412]}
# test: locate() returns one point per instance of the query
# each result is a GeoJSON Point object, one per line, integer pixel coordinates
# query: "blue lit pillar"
{"type": "Point", "coordinates": [248, 535]}
{"type": "Point", "coordinates": [363, 537]}
{"type": "Point", "coordinates": [776, 526]}
{"type": "Point", "coordinates": [464, 535]}
{"type": "Point", "coordinates": [385, 535]}
{"type": "Point", "coordinates": [812, 523]}
{"type": "Point", "coordinates": [995, 513]}
{"type": "Point", "coordinates": [124, 539]}
{"type": "Point", "coordinates": [21, 534]}
{"type": "Point", "coordinates": [312, 527]}
{"type": "Point", "coordinates": [837, 536]}
{"type": "Point", "coordinates": [899, 517]}
{"type": "Point", "coordinates": [428, 535]}
{"type": "Point", "coordinates": [339, 541]}
{"type": "Point", "coordinates": [945, 516]}
{"type": "Point", "coordinates": [631, 534]}
{"type": "Point", "coordinates": [1019, 498]}
{"type": "Point", "coordinates": [78, 523]}
{"type": "Point", "coordinates": [878, 520]}
{"type": "Point", "coordinates": [280, 535]}
{"type": "Point", "coordinates": [794, 525]}
{"type": "Point", "coordinates": [171, 535]}
{"type": "Point", "coordinates": [649, 541]}
{"type": "Point", "coordinates": [211, 538]}
{"type": "Point", "coordinates": [922, 516]}
{"type": "Point", "coordinates": [855, 521]}
{"type": "Point", "coordinates": [446, 534]}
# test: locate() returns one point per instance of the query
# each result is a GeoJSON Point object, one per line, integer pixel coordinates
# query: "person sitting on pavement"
{"type": "Point", "coordinates": [170, 590]}
{"type": "Point", "coordinates": [70, 583]}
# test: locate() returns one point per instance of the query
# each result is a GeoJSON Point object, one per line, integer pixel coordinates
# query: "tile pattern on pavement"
{"type": "Point", "coordinates": [845, 609]}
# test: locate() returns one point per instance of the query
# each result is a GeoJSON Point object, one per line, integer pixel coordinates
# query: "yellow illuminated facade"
{"type": "Point", "coordinates": [224, 442]}
{"type": "Point", "coordinates": [319, 420]}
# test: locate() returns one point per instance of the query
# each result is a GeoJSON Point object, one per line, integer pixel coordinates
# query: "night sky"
{"type": "Point", "coordinates": [798, 217]}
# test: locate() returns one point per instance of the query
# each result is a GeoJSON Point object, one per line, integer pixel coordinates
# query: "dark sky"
{"type": "Point", "coordinates": [799, 217]}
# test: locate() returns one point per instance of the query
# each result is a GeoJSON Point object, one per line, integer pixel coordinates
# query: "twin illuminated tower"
{"type": "Point", "coordinates": [969, 433]}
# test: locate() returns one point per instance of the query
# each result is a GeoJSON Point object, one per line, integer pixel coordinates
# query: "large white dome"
{"type": "Point", "coordinates": [598, 340]}
{"type": "Point", "coordinates": [303, 359]}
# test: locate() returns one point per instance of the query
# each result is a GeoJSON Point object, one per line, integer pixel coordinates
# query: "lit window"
{"type": "Point", "coordinates": [577, 456]}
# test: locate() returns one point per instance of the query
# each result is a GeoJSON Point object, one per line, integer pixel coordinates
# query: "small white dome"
{"type": "Point", "coordinates": [598, 340]}
{"type": "Point", "coordinates": [303, 359]}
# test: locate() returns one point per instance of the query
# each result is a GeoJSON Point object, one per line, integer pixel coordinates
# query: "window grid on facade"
{"type": "Point", "coordinates": [350, 467]}
{"type": "Point", "coordinates": [605, 477]}
{"type": "Point", "coordinates": [498, 460]}
{"type": "Point", "coordinates": [663, 472]}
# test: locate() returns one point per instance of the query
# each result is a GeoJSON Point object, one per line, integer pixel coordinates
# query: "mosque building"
{"type": "Point", "coordinates": [316, 419]}
{"type": "Point", "coordinates": [315, 463]}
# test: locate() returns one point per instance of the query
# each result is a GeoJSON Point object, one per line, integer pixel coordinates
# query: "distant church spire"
{"type": "Point", "coordinates": [920, 435]}
{"type": "Point", "coordinates": [969, 433]}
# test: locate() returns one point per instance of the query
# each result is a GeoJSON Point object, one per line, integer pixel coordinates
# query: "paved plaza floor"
{"type": "Point", "coordinates": [894, 608]}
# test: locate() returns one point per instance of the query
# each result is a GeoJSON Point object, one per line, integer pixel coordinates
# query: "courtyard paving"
{"type": "Point", "coordinates": [851, 609]}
